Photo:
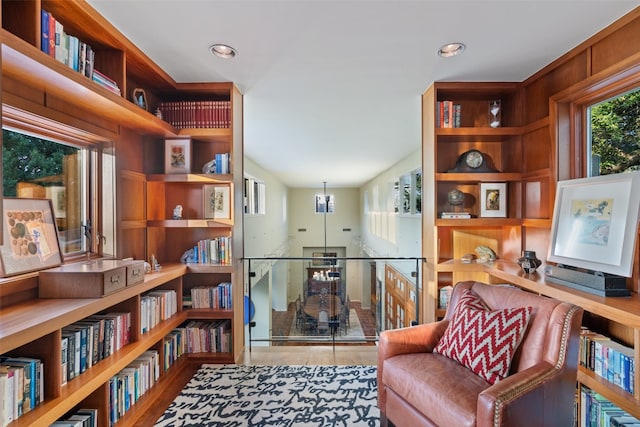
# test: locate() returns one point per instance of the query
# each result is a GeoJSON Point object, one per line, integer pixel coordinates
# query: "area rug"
{"type": "Point", "coordinates": [354, 332]}
{"type": "Point", "coordinates": [295, 395]}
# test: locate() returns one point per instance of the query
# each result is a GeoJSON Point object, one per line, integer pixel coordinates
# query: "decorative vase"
{"type": "Point", "coordinates": [529, 262]}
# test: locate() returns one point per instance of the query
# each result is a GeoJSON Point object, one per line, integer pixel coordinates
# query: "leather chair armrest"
{"type": "Point", "coordinates": [526, 395]}
{"type": "Point", "coordinates": [413, 339]}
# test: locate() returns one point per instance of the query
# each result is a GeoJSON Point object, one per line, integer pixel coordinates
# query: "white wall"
{"type": "Point", "coordinates": [384, 232]}
{"type": "Point", "coordinates": [302, 216]}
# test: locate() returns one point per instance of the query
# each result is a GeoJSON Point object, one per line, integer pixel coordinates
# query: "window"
{"type": "Point", "coordinates": [255, 193]}
{"type": "Point", "coordinates": [44, 169]}
{"type": "Point", "coordinates": [407, 193]}
{"type": "Point", "coordinates": [325, 203]}
{"type": "Point", "coordinates": [613, 136]}
{"type": "Point", "coordinates": [74, 168]}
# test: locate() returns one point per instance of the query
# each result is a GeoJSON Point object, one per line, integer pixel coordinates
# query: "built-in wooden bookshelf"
{"type": "Point", "coordinates": [43, 86]}
{"type": "Point", "coordinates": [539, 141]}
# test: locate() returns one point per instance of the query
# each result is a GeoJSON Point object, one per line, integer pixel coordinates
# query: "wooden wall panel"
{"type": "Point", "coordinates": [541, 88]}
{"type": "Point", "coordinates": [536, 146]}
{"type": "Point", "coordinates": [616, 47]}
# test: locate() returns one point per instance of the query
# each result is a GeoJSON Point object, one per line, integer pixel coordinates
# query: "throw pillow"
{"type": "Point", "coordinates": [468, 299]}
{"type": "Point", "coordinates": [484, 340]}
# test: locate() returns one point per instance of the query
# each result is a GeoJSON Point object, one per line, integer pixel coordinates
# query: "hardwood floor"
{"type": "Point", "coordinates": [312, 355]}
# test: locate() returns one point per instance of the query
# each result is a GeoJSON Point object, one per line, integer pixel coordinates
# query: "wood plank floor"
{"type": "Point", "coordinates": [312, 355]}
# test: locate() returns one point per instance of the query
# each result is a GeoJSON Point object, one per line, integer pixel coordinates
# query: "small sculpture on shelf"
{"type": "Point", "coordinates": [529, 262]}
{"type": "Point", "coordinates": [177, 212]}
{"type": "Point", "coordinates": [189, 256]}
{"type": "Point", "coordinates": [485, 254]}
{"type": "Point", "coordinates": [209, 167]}
{"type": "Point", "coordinates": [155, 265]}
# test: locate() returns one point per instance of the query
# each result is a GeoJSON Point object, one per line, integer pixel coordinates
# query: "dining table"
{"type": "Point", "coordinates": [316, 303]}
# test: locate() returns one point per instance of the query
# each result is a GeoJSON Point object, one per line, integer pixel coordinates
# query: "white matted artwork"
{"type": "Point", "coordinates": [595, 223]}
{"type": "Point", "coordinates": [493, 199]}
{"type": "Point", "coordinates": [177, 155]}
{"type": "Point", "coordinates": [217, 201]}
{"type": "Point", "coordinates": [31, 236]}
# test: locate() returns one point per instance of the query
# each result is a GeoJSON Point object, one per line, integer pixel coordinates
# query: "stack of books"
{"type": "Point", "coordinates": [448, 114]}
{"type": "Point", "coordinates": [21, 387]}
{"type": "Point", "coordinates": [71, 51]}
{"type": "Point", "coordinates": [218, 297]}
{"type": "Point", "coordinates": [197, 114]}
{"type": "Point", "coordinates": [157, 306]}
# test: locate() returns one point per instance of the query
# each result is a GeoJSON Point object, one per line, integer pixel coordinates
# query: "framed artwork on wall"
{"type": "Point", "coordinates": [177, 156]}
{"type": "Point", "coordinates": [217, 201]}
{"type": "Point", "coordinates": [493, 199]}
{"type": "Point", "coordinates": [31, 241]}
{"type": "Point", "coordinates": [595, 223]}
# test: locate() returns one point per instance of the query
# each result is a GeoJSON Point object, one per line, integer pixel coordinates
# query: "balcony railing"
{"type": "Point", "coordinates": [329, 300]}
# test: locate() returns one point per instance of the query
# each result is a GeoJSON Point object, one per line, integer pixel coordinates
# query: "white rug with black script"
{"type": "Point", "coordinates": [297, 395]}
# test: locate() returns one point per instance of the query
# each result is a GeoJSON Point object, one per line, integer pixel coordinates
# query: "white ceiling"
{"type": "Point", "coordinates": [332, 88]}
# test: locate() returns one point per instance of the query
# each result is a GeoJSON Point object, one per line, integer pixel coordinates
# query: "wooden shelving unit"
{"type": "Point", "coordinates": [35, 82]}
{"type": "Point", "coordinates": [525, 158]}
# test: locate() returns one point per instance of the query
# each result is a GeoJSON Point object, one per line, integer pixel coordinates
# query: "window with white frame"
{"type": "Point", "coordinates": [255, 193]}
{"type": "Point", "coordinates": [324, 203]}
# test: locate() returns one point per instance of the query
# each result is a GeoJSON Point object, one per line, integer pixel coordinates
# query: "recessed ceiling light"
{"type": "Point", "coordinates": [223, 51]}
{"type": "Point", "coordinates": [451, 49]}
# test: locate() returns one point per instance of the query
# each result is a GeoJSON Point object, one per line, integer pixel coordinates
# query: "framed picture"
{"type": "Point", "coordinates": [177, 156]}
{"type": "Point", "coordinates": [139, 97]}
{"type": "Point", "coordinates": [217, 201]}
{"type": "Point", "coordinates": [31, 236]}
{"type": "Point", "coordinates": [493, 199]}
{"type": "Point", "coordinates": [595, 223]}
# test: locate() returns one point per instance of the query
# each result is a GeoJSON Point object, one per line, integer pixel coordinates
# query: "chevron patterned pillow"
{"type": "Point", "coordinates": [484, 340]}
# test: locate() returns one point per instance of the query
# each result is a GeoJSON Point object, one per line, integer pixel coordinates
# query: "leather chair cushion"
{"type": "Point", "coordinates": [427, 381]}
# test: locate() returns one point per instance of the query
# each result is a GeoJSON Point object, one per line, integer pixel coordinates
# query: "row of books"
{"type": "Point", "coordinates": [219, 297]}
{"type": "Point", "coordinates": [21, 387]}
{"type": "Point", "coordinates": [81, 418]}
{"type": "Point", "coordinates": [597, 411]}
{"type": "Point", "coordinates": [174, 346]}
{"type": "Point", "coordinates": [213, 251]}
{"type": "Point", "coordinates": [126, 388]}
{"type": "Point", "coordinates": [448, 114]}
{"type": "Point", "coordinates": [157, 306]}
{"type": "Point", "coordinates": [91, 340]}
{"type": "Point", "coordinates": [197, 114]}
{"type": "Point", "coordinates": [214, 337]}
{"type": "Point", "coordinates": [71, 51]}
{"type": "Point", "coordinates": [221, 163]}
{"type": "Point", "coordinates": [608, 359]}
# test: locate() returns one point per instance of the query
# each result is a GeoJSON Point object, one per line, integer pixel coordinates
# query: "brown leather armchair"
{"type": "Point", "coordinates": [417, 387]}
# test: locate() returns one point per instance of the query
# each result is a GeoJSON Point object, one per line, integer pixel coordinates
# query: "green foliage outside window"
{"type": "Point", "coordinates": [29, 159]}
{"type": "Point", "coordinates": [615, 133]}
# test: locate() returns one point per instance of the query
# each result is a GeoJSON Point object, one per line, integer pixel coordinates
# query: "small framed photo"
{"type": "Point", "coordinates": [139, 97]}
{"type": "Point", "coordinates": [31, 236]}
{"type": "Point", "coordinates": [217, 201]}
{"type": "Point", "coordinates": [493, 199]}
{"type": "Point", "coordinates": [177, 156]}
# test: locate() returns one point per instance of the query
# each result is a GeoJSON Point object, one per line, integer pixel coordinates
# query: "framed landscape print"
{"type": "Point", "coordinates": [31, 237]}
{"type": "Point", "coordinates": [493, 199]}
{"type": "Point", "coordinates": [177, 156]}
{"type": "Point", "coordinates": [595, 223]}
{"type": "Point", "coordinates": [217, 201]}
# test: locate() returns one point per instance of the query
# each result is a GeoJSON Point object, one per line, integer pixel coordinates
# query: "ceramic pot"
{"type": "Point", "coordinates": [529, 262]}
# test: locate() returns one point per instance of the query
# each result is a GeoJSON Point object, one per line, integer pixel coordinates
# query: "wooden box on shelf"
{"type": "Point", "coordinates": [92, 279]}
